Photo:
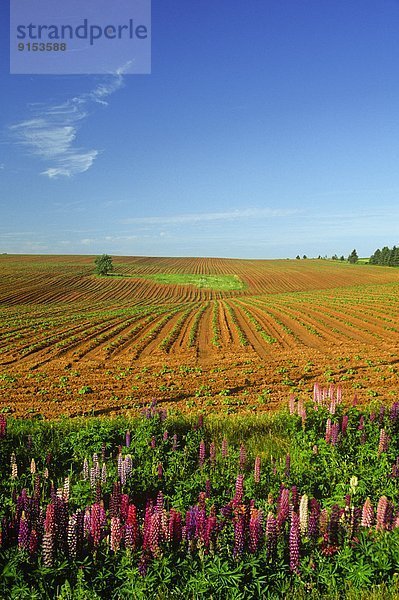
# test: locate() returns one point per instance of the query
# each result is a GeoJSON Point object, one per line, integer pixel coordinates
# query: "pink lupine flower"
{"type": "Point", "coordinates": [255, 529]}
{"type": "Point", "coordinates": [381, 512]}
{"type": "Point", "coordinates": [124, 506]}
{"type": "Point", "coordinates": [48, 537]}
{"type": "Point", "coordinates": [132, 531]}
{"type": "Point", "coordinates": [383, 443]}
{"type": "Point", "coordinates": [361, 423]}
{"type": "Point", "coordinates": [95, 524]}
{"type": "Point", "coordinates": [257, 470]}
{"type": "Point", "coordinates": [367, 514]}
{"type": "Point", "coordinates": [165, 435]}
{"type": "Point", "coordinates": [294, 543]}
{"type": "Point", "coordinates": [239, 535]}
{"type": "Point", "coordinates": [116, 534]}
{"type": "Point", "coordinates": [334, 433]}
{"type": "Point", "coordinates": [344, 426]}
{"type": "Point", "coordinates": [283, 507]}
{"type": "Point", "coordinates": [174, 527]}
{"type": "Point", "coordinates": [239, 491]}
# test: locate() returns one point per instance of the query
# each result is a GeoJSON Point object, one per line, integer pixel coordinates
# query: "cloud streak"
{"type": "Point", "coordinates": [50, 134]}
{"type": "Point", "coordinates": [248, 213]}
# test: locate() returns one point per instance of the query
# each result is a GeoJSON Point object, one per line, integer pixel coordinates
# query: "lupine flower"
{"type": "Point", "coordinates": [383, 443]}
{"type": "Point", "coordinates": [294, 543]}
{"type": "Point", "coordinates": [14, 466]}
{"type": "Point", "coordinates": [303, 514]}
{"type": "Point", "coordinates": [153, 442]}
{"type": "Point", "coordinates": [361, 423]}
{"type": "Point", "coordinates": [48, 537]}
{"type": "Point", "coordinates": [255, 529]}
{"type": "Point", "coordinates": [207, 488]}
{"type": "Point", "coordinates": [323, 521]}
{"type": "Point", "coordinates": [127, 439]}
{"type": "Point", "coordinates": [239, 535]}
{"type": "Point", "coordinates": [239, 492]}
{"type": "Point", "coordinates": [95, 524]}
{"type": "Point", "coordinates": [85, 471]}
{"type": "Point", "coordinates": [132, 532]}
{"type": "Point", "coordinates": [295, 498]}
{"type": "Point", "coordinates": [160, 470]}
{"type": "Point", "coordinates": [201, 453]}
{"type": "Point", "coordinates": [381, 511]}
{"type": "Point", "coordinates": [314, 517]}
{"type": "Point", "coordinates": [104, 474]}
{"type": "Point", "coordinates": [116, 534]}
{"type": "Point", "coordinates": [23, 533]}
{"type": "Point", "coordinates": [257, 470]}
{"type": "Point", "coordinates": [72, 536]}
{"type": "Point", "coordinates": [334, 433]}
{"type": "Point", "coordinates": [327, 436]}
{"type": "Point", "coordinates": [33, 466]}
{"type": "Point", "coordinates": [283, 507]}
{"type": "Point", "coordinates": [174, 445]}
{"type": "Point", "coordinates": [165, 436]}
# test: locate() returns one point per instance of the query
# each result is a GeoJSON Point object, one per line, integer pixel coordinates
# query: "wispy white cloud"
{"type": "Point", "coordinates": [50, 133]}
{"type": "Point", "coordinates": [247, 213]}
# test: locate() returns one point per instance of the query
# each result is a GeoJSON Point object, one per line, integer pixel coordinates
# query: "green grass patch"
{"type": "Point", "coordinates": [213, 282]}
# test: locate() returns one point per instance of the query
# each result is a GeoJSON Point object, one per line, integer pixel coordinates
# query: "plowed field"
{"type": "Point", "coordinates": [74, 343]}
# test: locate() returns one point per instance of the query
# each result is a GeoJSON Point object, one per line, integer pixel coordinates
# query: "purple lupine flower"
{"type": "Point", "coordinates": [283, 507]}
{"type": "Point", "coordinates": [175, 527]}
{"type": "Point", "coordinates": [225, 450]}
{"type": "Point", "coordinates": [243, 457]}
{"type": "Point", "coordinates": [257, 470]}
{"type": "Point", "coordinates": [334, 433]}
{"type": "Point", "coordinates": [239, 535]}
{"type": "Point", "coordinates": [344, 425]}
{"type": "Point", "coordinates": [23, 533]}
{"type": "Point", "coordinates": [271, 535]}
{"type": "Point", "coordinates": [394, 412]}
{"type": "Point", "coordinates": [128, 439]}
{"type": "Point", "coordinates": [314, 516]}
{"type": "Point", "coordinates": [294, 542]}
{"type": "Point", "coordinates": [201, 453]}
{"type": "Point", "coordinates": [255, 529]}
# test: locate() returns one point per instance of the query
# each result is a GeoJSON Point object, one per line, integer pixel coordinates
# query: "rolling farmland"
{"type": "Point", "coordinates": [239, 334]}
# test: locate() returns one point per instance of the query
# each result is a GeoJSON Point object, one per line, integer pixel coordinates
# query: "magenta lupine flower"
{"type": "Point", "coordinates": [344, 425]}
{"type": "Point", "coordinates": [283, 507]}
{"type": "Point", "coordinates": [165, 435]}
{"type": "Point", "coordinates": [23, 533]}
{"type": "Point", "coordinates": [257, 470]}
{"type": "Point", "coordinates": [291, 404]}
{"type": "Point", "coordinates": [361, 423]}
{"type": "Point", "coordinates": [95, 525]}
{"type": "Point", "coordinates": [127, 439]}
{"type": "Point", "coordinates": [334, 433]}
{"type": "Point", "coordinates": [383, 443]}
{"type": "Point", "coordinates": [116, 534]}
{"type": "Point", "coordinates": [124, 506]}
{"type": "Point", "coordinates": [239, 490]}
{"type": "Point", "coordinates": [132, 531]}
{"type": "Point", "coordinates": [255, 529]}
{"type": "Point", "coordinates": [115, 500]}
{"type": "Point", "coordinates": [208, 488]}
{"type": "Point", "coordinates": [367, 514]}
{"type": "Point", "coordinates": [239, 535]}
{"type": "Point", "coordinates": [153, 442]}
{"type": "Point", "coordinates": [327, 436]}
{"type": "Point", "coordinates": [210, 529]}
{"type": "Point", "coordinates": [271, 535]}
{"type": "Point", "coordinates": [243, 457]}
{"type": "Point", "coordinates": [147, 524]}
{"type": "Point", "coordinates": [294, 543]}
{"type": "Point", "coordinates": [295, 498]}
{"type": "Point", "coordinates": [175, 527]}
{"type": "Point", "coordinates": [394, 412]}
{"type": "Point", "coordinates": [201, 453]}
{"type": "Point", "coordinates": [225, 450]}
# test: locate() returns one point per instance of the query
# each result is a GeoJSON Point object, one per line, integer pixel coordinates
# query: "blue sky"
{"type": "Point", "coordinates": [266, 129]}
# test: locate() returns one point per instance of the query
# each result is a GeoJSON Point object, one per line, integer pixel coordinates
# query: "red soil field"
{"type": "Point", "coordinates": [73, 343]}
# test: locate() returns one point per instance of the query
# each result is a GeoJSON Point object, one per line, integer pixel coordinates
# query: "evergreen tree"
{"type": "Point", "coordinates": [353, 257]}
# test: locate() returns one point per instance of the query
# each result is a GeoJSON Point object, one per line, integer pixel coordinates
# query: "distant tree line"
{"type": "Point", "coordinates": [388, 257]}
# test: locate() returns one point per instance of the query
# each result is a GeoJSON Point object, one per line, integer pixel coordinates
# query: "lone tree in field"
{"type": "Point", "coordinates": [353, 257]}
{"type": "Point", "coordinates": [104, 264]}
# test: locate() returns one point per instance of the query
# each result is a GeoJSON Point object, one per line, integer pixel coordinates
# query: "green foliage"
{"type": "Point", "coordinates": [353, 257]}
{"type": "Point", "coordinates": [103, 264]}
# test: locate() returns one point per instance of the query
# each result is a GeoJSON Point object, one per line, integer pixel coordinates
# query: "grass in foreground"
{"type": "Point", "coordinates": [162, 507]}
{"type": "Point", "coordinates": [214, 282]}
